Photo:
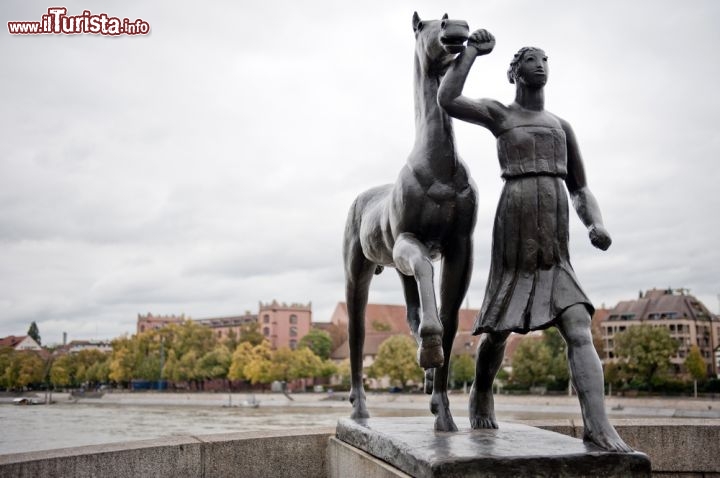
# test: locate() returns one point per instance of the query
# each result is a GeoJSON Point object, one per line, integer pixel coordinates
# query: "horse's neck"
{"type": "Point", "coordinates": [434, 150]}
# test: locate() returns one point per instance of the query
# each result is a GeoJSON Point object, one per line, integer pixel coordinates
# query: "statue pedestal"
{"type": "Point", "coordinates": [410, 446]}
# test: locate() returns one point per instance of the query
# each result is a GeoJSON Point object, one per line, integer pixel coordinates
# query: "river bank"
{"type": "Point", "coordinates": [626, 407]}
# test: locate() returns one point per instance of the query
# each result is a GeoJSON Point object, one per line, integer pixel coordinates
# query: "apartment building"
{"type": "Point", "coordinates": [687, 319]}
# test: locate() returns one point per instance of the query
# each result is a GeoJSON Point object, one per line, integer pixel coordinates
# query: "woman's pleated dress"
{"type": "Point", "coordinates": [531, 281]}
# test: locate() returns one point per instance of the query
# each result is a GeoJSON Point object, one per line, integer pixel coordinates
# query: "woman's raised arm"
{"type": "Point", "coordinates": [483, 112]}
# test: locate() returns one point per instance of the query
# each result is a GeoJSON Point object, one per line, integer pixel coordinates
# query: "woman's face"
{"type": "Point", "coordinates": [533, 69]}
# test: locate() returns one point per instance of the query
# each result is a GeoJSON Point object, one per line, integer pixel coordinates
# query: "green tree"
{"type": "Point", "coordinates": [99, 371]}
{"type": "Point", "coordinates": [34, 332]}
{"type": "Point", "coordinates": [319, 342]}
{"type": "Point", "coordinates": [214, 364]}
{"type": "Point", "coordinates": [462, 369]}
{"type": "Point", "coordinates": [396, 360]}
{"type": "Point", "coordinates": [250, 333]}
{"type": "Point", "coordinates": [232, 340]}
{"type": "Point", "coordinates": [187, 370]}
{"type": "Point", "coordinates": [558, 373]}
{"type": "Point", "coordinates": [615, 374]}
{"type": "Point", "coordinates": [532, 363]}
{"type": "Point", "coordinates": [645, 351]}
{"type": "Point", "coordinates": [89, 366]}
{"type": "Point", "coordinates": [695, 364]}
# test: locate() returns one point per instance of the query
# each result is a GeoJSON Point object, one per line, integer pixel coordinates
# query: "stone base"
{"type": "Point", "coordinates": [412, 446]}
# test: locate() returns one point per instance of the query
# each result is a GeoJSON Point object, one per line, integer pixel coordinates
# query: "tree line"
{"type": "Point", "coordinates": [190, 353]}
{"type": "Point", "coordinates": [185, 352]}
{"type": "Point", "coordinates": [642, 362]}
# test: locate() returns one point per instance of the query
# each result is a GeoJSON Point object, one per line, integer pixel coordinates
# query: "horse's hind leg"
{"type": "Point", "coordinates": [358, 273]}
{"type": "Point", "coordinates": [412, 301]}
{"type": "Point", "coordinates": [456, 271]}
{"type": "Point", "coordinates": [412, 258]}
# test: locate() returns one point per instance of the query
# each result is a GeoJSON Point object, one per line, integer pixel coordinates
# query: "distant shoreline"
{"type": "Point", "coordinates": [618, 407]}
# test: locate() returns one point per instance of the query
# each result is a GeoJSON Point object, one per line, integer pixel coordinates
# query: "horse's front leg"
{"type": "Point", "coordinates": [412, 301]}
{"type": "Point", "coordinates": [412, 258]}
{"type": "Point", "coordinates": [456, 271]}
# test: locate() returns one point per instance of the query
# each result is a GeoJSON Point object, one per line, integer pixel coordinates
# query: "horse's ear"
{"type": "Point", "coordinates": [417, 23]}
{"type": "Point", "coordinates": [445, 17]}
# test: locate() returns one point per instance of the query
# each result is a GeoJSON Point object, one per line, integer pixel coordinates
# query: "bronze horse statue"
{"type": "Point", "coordinates": [428, 214]}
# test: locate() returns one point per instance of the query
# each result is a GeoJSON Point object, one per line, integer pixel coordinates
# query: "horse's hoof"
{"type": "Point", "coordinates": [445, 424]}
{"type": "Point", "coordinates": [430, 354]}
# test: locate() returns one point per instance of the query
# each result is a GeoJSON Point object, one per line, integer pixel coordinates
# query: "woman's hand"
{"type": "Point", "coordinates": [599, 237]}
{"type": "Point", "coordinates": [482, 40]}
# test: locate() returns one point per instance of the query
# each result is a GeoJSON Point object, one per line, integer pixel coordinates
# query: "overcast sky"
{"type": "Point", "coordinates": [210, 165]}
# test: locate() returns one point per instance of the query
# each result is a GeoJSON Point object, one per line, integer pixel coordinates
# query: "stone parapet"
{"type": "Point", "coordinates": [277, 454]}
{"type": "Point", "coordinates": [678, 448]}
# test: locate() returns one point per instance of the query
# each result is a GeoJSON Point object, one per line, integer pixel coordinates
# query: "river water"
{"type": "Point", "coordinates": [29, 428]}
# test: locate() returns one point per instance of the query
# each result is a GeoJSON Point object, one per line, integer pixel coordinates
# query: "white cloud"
{"type": "Point", "coordinates": [211, 164]}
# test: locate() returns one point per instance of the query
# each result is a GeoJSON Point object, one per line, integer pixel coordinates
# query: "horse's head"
{"type": "Point", "coordinates": [438, 41]}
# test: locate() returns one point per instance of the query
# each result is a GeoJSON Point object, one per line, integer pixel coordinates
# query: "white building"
{"type": "Point", "coordinates": [15, 342]}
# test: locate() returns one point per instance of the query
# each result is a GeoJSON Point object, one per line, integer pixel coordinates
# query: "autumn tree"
{"type": "Point", "coordinates": [319, 342]}
{"type": "Point", "coordinates": [241, 357]}
{"type": "Point", "coordinates": [171, 370]}
{"type": "Point", "coordinates": [62, 371]}
{"type": "Point", "coordinates": [695, 364]}
{"type": "Point", "coordinates": [343, 372]}
{"type": "Point", "coordinates": [187, 370]}
{"type": "Point", "coordinates": [327, 369]}
{"type": "Point", "coordinates": [396, 360]}
{"type": "Point", "coordinates": [281, 365]}
{"type": "Point", "coordinates": [645, 351]}
{"type": "Point", "coordinates": [6, 354]}
{"type": "Point", "coordinates": [122, 361]}
{"type": "Point", "coordinates": [25, 368]}
{"type": "Point", "coordinates": [260, 367]}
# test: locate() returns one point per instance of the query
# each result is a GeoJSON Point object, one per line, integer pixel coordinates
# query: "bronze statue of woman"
{"type": "Point", "coordinates": [531, 284]}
